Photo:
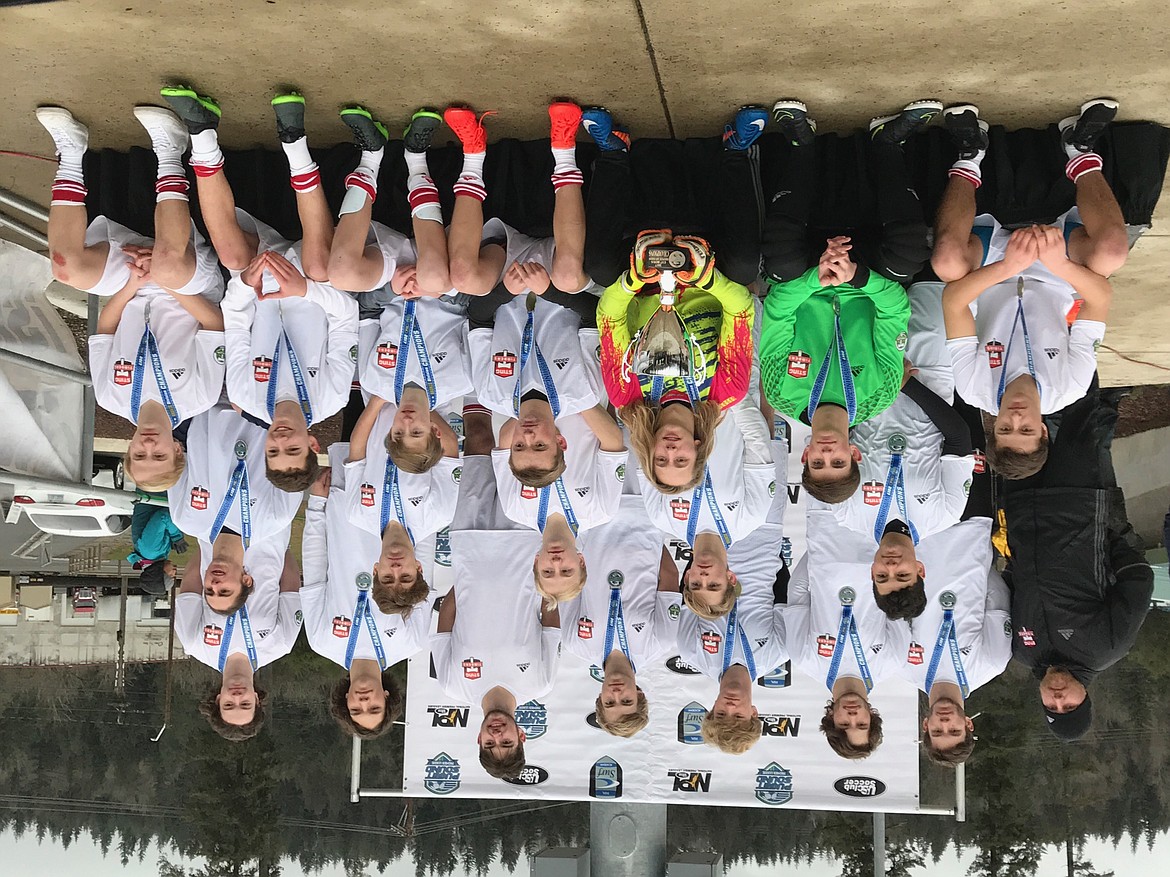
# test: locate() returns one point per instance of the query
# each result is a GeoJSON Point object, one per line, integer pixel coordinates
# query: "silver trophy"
{"type": "Point", "coordinates": [663, 347]}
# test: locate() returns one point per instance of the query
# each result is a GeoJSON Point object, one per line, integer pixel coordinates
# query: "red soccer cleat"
{"type": "Point", "coordinates": [467, 127]}
{"type": "Point", "coordinates": [564, 117]}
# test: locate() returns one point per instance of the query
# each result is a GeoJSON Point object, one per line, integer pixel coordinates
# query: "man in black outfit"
{"type": "Point", "coordinates": [1080, 583]}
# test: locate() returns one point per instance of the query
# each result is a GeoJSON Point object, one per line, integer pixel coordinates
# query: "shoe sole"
{"type": "Point", "coordinates": [1100, 101]}
{"type": "Point", "coordinates": [180, 91]}
{"type": "Point", "coordinates": [788, 104]}
{"type": "Point", "coordinates": [291, 98]}
{"type": "Point", "coordinates": [959, 109]}
{"type": "Point", "coordinates": [935, 105]}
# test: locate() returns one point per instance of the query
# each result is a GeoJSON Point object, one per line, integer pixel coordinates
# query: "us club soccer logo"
{"type": "Point", "coordinates": [532, 719]}
{"type": "Point", "coordinates": [773, 785]}
{"type": "Point", "coordinates": [212, 635]}
{"type": "Point", "coordinates": [261, 369]}
{"type": "Point", "coordinates": [442, 775]}
{"type": "Point", "coordinates": [871, 492]}
{"type": "Point", "coordinates": [825, 645]}
{"type": "Point", "coordinates": [472, 668]}
{"type": "Point", "coordinates": [680, 508]}
{"type": "Point", "coordinates": [123, 372]}
{"type": "Point", "coordinates": [711, 642]}
{"type": "Point", "coordinates": [994, 353]}
{"type": "Point", "coordinates": [584, 628]}
{"type": "Point", "coordinates": [504, 363]}
{"type": "Point", "coordinates": [387, 355]}
{"type": "Point", "coordinates": [341, 626]}
{"type": "Point", "coordinates": [914, 656]}
{"type": "Point", "coordinates": [368, 495]}
{"type": "Point", "coordinates": [798, 363]}
{"type": "Point", "coordinates": [199, 497]}
{"type": "Point", "coordinates": [690, 724]}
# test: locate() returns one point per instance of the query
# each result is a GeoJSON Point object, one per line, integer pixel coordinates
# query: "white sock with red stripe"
{"type": "Point", "coordinates": [171, 184]}
{"type": "Point", "coordinates": [565, 170]}
{"type": "Point", "coordinates": [421, 189]}
{"type": "Point", "coordinates": [470, 182]}
{"type": "Point", "coordinates": [69, 184]}
{"type": "Point", "coordinates": [362, 183]}
{"type": "Point", "coordinates": [969, 169]}
{"type": "Point", "coordinates": [206, 156]}
{"type": "Point", "coordinates": [1082, 163]}
{"type": "Point", "coordinates": [303, 172]}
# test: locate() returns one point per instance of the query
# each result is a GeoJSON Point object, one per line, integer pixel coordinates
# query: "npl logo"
{"type": "Point", "coordinates": [780, 726]}
{"type": "Point", "coordinates": [449, 716]}
{"type": "Point", "coordinates": [690, 780]}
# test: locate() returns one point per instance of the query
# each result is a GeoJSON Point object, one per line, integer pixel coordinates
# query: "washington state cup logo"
{"type": "Point", "coordinates": [798, 363]}
{"type": "Point", "coordinates": [994, 353]}
{"type": "Point", "coordinates": [199, 497]}
{"type": "Point", "coordinates": [504, 363]}
{"type": "Point", "coordinates": [527, 492]}
{"type": "Point", "coordinates": [773, 785]}
{"type": "Point", "coordinates": [368, 495]}
{"type": "Point", "coordinates": [680, 508]}
{"type": "Point", "coordinates": [123, 372]}
{"type": "Point", "coordinates": [825, 645]}
{"type": "Point", "coordinates": [442, 775]}
{"type": "Point", "coordinates": [341, 626]}
{"type": "Point", "coordinates": [472, 668]}
{"type": "Point", "coordinates": [212, 635]}
{"type": "Point", "coordinates": [980, 462]}
{"type": "Point", "coordinates": [711, 642]}
{"type": "Point", "coordinates": [584, 628]}
{"type": "Point", "coordinates": [914, 656]}
{"type": "Point", "coordinates": [871, 492]}
{"type": "Point", "coordinates": [532, 719]}
{"type": "Point", "coordinates": [1027, 637]}
{"type": "Point", "coordinates": [387, 355]}
{"type": "Point", "coordinates": [261, 369]}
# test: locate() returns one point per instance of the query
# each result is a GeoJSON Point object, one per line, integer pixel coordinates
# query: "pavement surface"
{"type": "Point", "coordinates": [663, 69]}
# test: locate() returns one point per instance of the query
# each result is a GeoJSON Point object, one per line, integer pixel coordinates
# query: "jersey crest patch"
{"type": "Point", "coordinates": [798, 363]}
{"type": "Point", "coordinates": [123, 372]}
{"type": "Point", "coordinates": [367, 491]}
{"type": "Point", "coordinates": [261, 369]}
{"type": "Point", "coordinates": [980, 462]}
{"type": "Point", "coordinates": [825, 645]}
{"type": "Point", "coordinates": [527, 492]}
{"type": "Point", "coordinates": [871, 492]}
{"type": "Point", "coordinates": [994, 353]}
{"type": "Point", "coordinates": [341, 626]}
{"type": "Point", "coordinates": [472, 668]}
{"type": "Point", "coordinates": [914, 656]}
{"type": "Point", "coordinates": [1027, 637]}
{"type": "Point", "coordinates": [212, 635]}
{"type": "Point", "coordinates": [387, 355]}
{"type": "Point", "coordinates": [199, 497]}
{"type": "Point", "coordinates": [711, 642]}
{"type": "Point", "coordinates": [584, 628]}
{"type": "Point", "coordinates": [504, 363]}
{"type": "Point", "coordinates": [680, 508]}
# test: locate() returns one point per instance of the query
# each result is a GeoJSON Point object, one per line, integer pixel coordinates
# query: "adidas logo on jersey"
{"type": "Point", "coordinates": [638, 627]}
{"type": "Point", "coordinates": [177, 373]}
{"type": "Point", "coordinates": [760, 643]}
{"type": "Point", "coordinates": [1052, 352]}
{"type": "Point", "coordinates": [922, 497]}
{"type": "Point", "coordinates": [523, 667]}
{"type": "Point", "coordinates": [562, 362]}
{"type": "Point", "coordinates": [731, 506]}
{"type": "Point", "coordinates": [876, 648]}
{"type": "Point", "coordinates": [415, 500]}
{"type": "Point", "coordinates": [438, 357]}
{"type": "Point", "coordinates": [390, 631]}
{"type": "Point", "coordinates": [1066, 632]}
{"type": "Point", "coordinates": [966, 650]}
{"type": "Point", "coordinates": [582, 491]}
{"type": "Point", "coordinates": [857, 369]}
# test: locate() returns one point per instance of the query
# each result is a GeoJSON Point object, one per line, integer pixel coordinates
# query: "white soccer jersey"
{"type": "Point", "coordinates": [381, 347]}
{"type": "Point", "coordinates": [627, 547]}
{"type": "Point", "coordinates": [756, 561]}
{"type": "Point", "coordinates": [322, 329]}
{"type": "Point", "coordinates": [334, 552]}
{"type": "Point", "coordinates": [570, 351]}
{"type": "Point", "coordinates": [593, 480]}
{"type": "Point", "coordinates": [523, 248]}
{"type": "Point", "coordinates": [275, 617]}
{"type": "Point", "coordinates": [958, 560]}
{"type": "Point", "coordinates": [396, 248]}
{"type": "Point", "coordinates": [206, 281]}
{"type": "Point", "coordinates": [197, 496]}
{"type": "Point", "coordinates": [837, 557]}
{"type": "Point", "coordinates": [746, 472]}
{"type": "Point", "coordinates": [936, 486]}
{"type": "Point", "coordinates": [428, 500]}
{"type": "Point", "coordinates": [192, 359]}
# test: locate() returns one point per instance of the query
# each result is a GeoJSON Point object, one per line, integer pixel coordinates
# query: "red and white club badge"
{"type": "Point", "coordinates": [871, 492]}
{"type": "Point", "coordinates": [584, 628]}
{"type": "Point", "coordinates": [527, 492]}
{"type": "Point", "coordinates": [504, 363]}
{"type": "Point", "coordinates": [261, 369]}
{"type": "Point", "coordinates": [387, 355]}
{"type": "Point", "coordinates": [199, 497]}
{"type": "Point", "coordinates": [123, 372]}
{"type": "Point", "coordinates": [711, 643]}
{"type": "Point", "coordinates": [212, 635]}
{"type": "Point", "coordinates": [472, 668]}
{"type": "Point", "coordinates": [367, 491]}
{"type": "Point", "coordinates": [1027, 637]}
{"type": "Point", "coordinates": [994, 353]}
{"type": "Point", "coordinates": [914, 655]}
{"type": "Point", "coordinates": [680, 508]}
{"type": "Point", "coordinates": [980, 462]}
{"type": "Point", "coordinates": [825, 645]}
{"type": "Point", "coordinates": [798, 363]}
{"type": "Point", "coordinates": [341, 626]}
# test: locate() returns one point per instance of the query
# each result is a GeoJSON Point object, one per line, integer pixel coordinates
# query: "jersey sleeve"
{"type": "Point", "coordinates": [444, 492]}
{"type": "Point", "coordinates": [757, 447]}
{"type": "Point", "coordinates": [956, 477]}
{"type": "Point", "coordinates": [101, 355]}
{"type": "Point", "coordinates": [442, 647]}
{"type": "Point", "coordinates": [1084, 338]}
{"type": "Point", "coordinates": [479, 348]}
{"type": "Point", "coordinates": [369, 331]}
{"type": "Point", "coordinates": [997, 626]}
{"type": "Point", "coordinates": [969, 377]}
{"type": "Point", "coordinates": [341, 312]}
{"type": "Point", "coordinates": [664, 623]}
{"type": "Point", "coordinates": [609, 477]}
{"type": "Point", "coordinates": [210, 366]}
{"type": "Point", "coordinates": [189, 622]}
{"type": "Point", "coordinates": [239, 310]}
{"type": "Point", "coordinates": [550, 658]}
{"type": "Point", "coordinates": [288, 625]}
{"type": "Point", "coordinates": [733, 371]}
{"type": "Point", "coordinates": [614, 328]}
{"type": "Point", "coordinates": [891, 321]}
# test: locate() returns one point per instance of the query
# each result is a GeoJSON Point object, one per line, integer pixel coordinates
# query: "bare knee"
{"type": "Point", "coordinates": [950, 260]}
{"type": "Point", "coordinates": [171, 267]}
{"type": "Point", "coordinates": [1109, 252]}
{"type": "Point", "coordinates": [467, 278]}
{"type": "Point", "coordinates": [434, 278]}
{"type": "Point", "coordinates": [567, 278]}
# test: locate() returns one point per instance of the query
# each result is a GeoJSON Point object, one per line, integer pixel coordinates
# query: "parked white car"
{"type": "Point", "coordinates": [70, 510]}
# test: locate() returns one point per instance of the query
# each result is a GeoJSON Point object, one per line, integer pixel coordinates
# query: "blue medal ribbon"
{"type": "Point", "coordinates": [294, 364]}
{"type": "Point", "coordinates": [1022, 322]}
{"type": "Point", "coordinates": [392, 497]}
{"type": "Point", "coordinates": [658, 388]}
{"type": "Point", "coordinates": [364, 615]}
{"type": "Point", "coordinates": [735, 631]}
{"type": "Point", "coordinates": [616, 626]}
{"type": "Point", "coordinates": [706, 491]}
{"type": "Point", "coordinates": [412, 336]}
{"type": "Point", "coordinates": [895, 488]}
{"type": "Point", "coordinates": [238, 484]}
{"type": "Point", "coordinates": [249, 642]}
{"type": "Point", "coordinates": [528, 346]}
{"type": "Point", "coordinates": [848, 629]}
{"type": "Point", "coordinates": [947, 637]}
{"type": "Point", "coordinates": [148, 346]}
{"type": "Point", "coordinates": [822, 377]}
{"type": "Point", "coordinates": [566, 507]}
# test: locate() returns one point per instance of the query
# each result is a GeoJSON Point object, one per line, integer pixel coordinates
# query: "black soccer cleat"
{"type": "Point", "coordinates": [967, 130]}
{"type": "Point", "coordinates": [369, 135]}
{"type": "Point", "coordinates": [421, 130]}
{"type": "Point", "coordinates": [198, 112]}
{"type": "Point", "coordinates": [896, 130]}
{"type": "Point", "coordinates": [1082, 132]}
{"type": "Point", "coordinates": [794, 122]}
{"type": "Point", "coordinates": [290, 116]}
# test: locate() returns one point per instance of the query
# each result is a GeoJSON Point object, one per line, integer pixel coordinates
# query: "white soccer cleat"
{"type": "Point", "coordinates": [69, 135]}
{"type": "Point", "coordinates": [167, 132]}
